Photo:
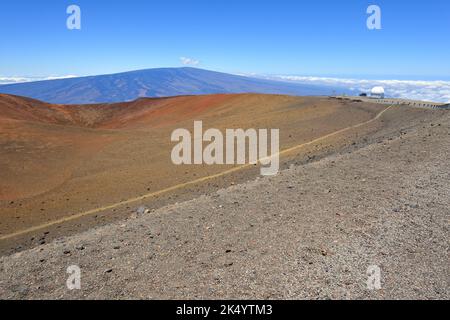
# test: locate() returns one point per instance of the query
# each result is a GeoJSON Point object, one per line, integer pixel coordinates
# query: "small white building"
{"type": "Point", "coordinates": [377, 93]}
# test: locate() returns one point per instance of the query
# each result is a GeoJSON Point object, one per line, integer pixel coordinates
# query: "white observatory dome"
{"type": "Point", "coordinates": [377, 91]}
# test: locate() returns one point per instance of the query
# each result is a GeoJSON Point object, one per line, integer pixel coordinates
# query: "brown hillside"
{"type": "Point", "coordinates": [60, 160]}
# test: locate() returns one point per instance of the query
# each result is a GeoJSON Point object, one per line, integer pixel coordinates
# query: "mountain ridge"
{"type": "Point", "coordinates": [153, 83]}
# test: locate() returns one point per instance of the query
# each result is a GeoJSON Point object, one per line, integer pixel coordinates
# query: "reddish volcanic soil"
{"type": "Point", "coordinates": [60, 160]}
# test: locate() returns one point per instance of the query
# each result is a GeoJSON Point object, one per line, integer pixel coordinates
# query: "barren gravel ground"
{"type": "Point", "coordinates": [310, 232]}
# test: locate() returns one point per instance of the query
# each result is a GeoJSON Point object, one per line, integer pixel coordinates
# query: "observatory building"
{"type": "Point", "coordinates": [377, 93]}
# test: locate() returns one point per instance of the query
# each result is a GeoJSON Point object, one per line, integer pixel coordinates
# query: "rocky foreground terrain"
{"type": "Point", "coordinates": [310, 232]}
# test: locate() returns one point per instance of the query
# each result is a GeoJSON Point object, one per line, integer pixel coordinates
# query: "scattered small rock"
{"type": "Point", "coordinates": [142, 210]}
{"type": "Point", "coordinates": [22, 290]}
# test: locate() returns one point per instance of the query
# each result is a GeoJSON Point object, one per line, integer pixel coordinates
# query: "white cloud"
{"type": "Point", "coordinates": [436, 91]}
{"type": "Point", "coordinates": [6, 80]}
{"type": "Point", "coordinates": [10, 80]}
{"type": "Point", "coordinates": [189, 61]}
{"type": "Point", "coordinates": [60, 77]}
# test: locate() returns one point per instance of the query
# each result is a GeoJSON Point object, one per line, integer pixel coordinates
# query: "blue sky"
{"type": "Point", "coordinates": [321, 37]}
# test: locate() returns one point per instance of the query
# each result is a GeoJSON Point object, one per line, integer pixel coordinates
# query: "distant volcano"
{"type": "Point", "coordinates": [163, 82]}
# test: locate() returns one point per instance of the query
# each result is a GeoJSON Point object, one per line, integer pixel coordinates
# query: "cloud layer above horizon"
{"type": "Point", "coordinates": [435, 91]}
{"type": "Point", "coordinates": [11, 80]}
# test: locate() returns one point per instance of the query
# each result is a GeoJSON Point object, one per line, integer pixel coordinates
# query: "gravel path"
{"type": "Point", "coordinates": [310, 232]}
